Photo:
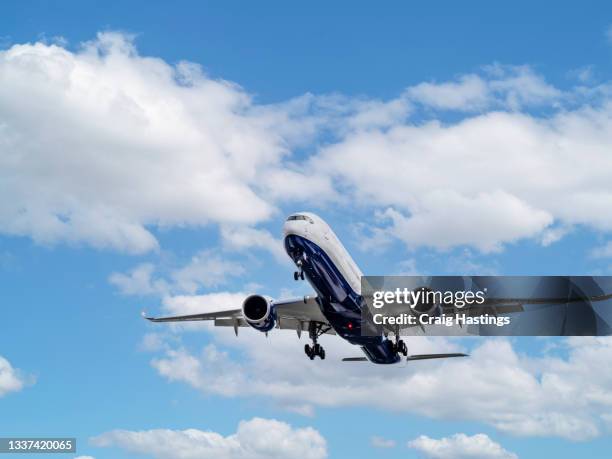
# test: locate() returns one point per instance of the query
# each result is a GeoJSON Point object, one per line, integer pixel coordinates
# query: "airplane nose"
{"type": "Point", "coordinates": [285, 228]}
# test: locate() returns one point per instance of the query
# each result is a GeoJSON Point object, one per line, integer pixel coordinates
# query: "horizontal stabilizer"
{"type": "Point", "coordinates": [354, 359]}
{"type": "Point", "coordinates": [433, 356]}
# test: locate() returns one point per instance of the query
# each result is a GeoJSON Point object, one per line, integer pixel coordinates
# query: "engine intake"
{"type": "Point", "coordinates": [259, 312]}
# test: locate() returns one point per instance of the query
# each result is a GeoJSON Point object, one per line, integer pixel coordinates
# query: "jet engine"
{"type": "Point", "coordinates": [259, 312]}
{"type": "Point", "coordinates": [426, 304]}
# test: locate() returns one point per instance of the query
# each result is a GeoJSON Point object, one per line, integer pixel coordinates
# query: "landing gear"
{"type": "Point", "coordinates": [315, 330]}
{"type": "Point", "coordinates": [313, 351]}
{"type": "Point", "coordinates": [399, 346]}
{"type": "Point", "coordinates": [299, 274]}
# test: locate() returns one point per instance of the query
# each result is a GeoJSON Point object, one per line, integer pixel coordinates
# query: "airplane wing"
{"type": "Point", "coordinates": [229, 314]}
{"type": "Point", "coordinates": [495, 306]}
{"type": "Point", "coordinates": [434, 356]}
{"type": "Point", "coordinates": [294, 314]}
{"type": "Point", "coordinates": [412, 357]}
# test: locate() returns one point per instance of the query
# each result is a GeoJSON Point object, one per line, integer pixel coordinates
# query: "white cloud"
{"type": "Point", "coordinates": [498, 216]}
{"type": "Point", "coordinates": [554, 234]}
{"type": "Point", "coordinates": [245, 238]}
{"type": "Point", "coordinates": [380, 442]}
{"type": "Point", "coordinates": [10, 378]}
{"type": "Point", "coordinates": [485, 181]}
{"type": "Point", "coordinates": [205, 269]}
{"type": "Point", "coordinates": [516, 394]}
{"type": "Point", "coordinates": [520, 86]}
{"type": "Point", "coordinates": [510, 87]}
{"type": "Point", "coordinates": [107, 144]}
{"type": "Point", "coordinates": [84, 457]}
{"type": "Point", "coordinates": [103, 146]}
{"type": "Point", "coordinates": [461, 446]}
{"type": "Point", "coordinates": [152, 342]}
{"type": "Point", "coordinates": [139, 281]}
{"type": "Point", "coordinates": [255, 439]}
{"type": "Point", "coordinates": [470, 92]}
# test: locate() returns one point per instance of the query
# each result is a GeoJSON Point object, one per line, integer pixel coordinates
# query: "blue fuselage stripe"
{"type": "Point", "coordinates": [339, 303]}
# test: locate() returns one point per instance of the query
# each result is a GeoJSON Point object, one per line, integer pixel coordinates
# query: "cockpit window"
{"type": "Point", "coordinates": [299, 217]}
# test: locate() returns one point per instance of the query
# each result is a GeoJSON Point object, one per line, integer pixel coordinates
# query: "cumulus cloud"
{"type": "Point", "coordinates": [104, 146]}
{"type": "Point", "coordinates": [470, 92]}
{"type": "Point", "coordinates": [245, 238]}
{"type": "Point", "coordinates": [206, 269]}
{"type": "Point", "coordinates": [461, 446]}
{"type": "Point", "coordinates": [510, 87]}
{"type": "Point", "coordinates": [544, 395]}
{"type": "Point", "coordinates": [10, 378]}
{"type": "Point", "coordinates": [254, 439]}
{"type": "Point", "coordinates": [498, 215]}
{"type": "Point", "coordinates": [494, 178]}
{"type": "Point", "coordinates": [101, 144]}
{"type": "Point", "coordinates": [139, 281]}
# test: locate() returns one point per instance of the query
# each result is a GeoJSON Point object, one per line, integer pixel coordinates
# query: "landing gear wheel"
{"type": "Point", "coordinates": [302, 275]}
{"type": "Point", "coordinates": [310, 351]}
{"type": "Point", "coordinates": [401, 348]}
{"type": "Point", "coordinates": [315, 329]}
{"type": "Point", "coordinates": [296, 275]}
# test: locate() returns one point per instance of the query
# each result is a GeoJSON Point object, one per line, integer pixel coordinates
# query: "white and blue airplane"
{"type": "Point", "coordinates": [337, 308]}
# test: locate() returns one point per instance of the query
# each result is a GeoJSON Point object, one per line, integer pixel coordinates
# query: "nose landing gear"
{"type": "Point", "coordinates": [315, 329]}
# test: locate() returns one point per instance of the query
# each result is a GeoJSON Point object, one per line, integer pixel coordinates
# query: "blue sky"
{"type": "Point", "coordinates": [434, 139]}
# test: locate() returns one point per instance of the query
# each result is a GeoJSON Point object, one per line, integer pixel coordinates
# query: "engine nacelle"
{"type": "Point", "coordinates": [259, 312]}
{"type": "Point", "coordinates": [426, 304]}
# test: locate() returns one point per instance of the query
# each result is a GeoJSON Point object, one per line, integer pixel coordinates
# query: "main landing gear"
{"type": "Point", "coordinates": [299, 274]}
{"type": "Point", "coordinates": [399, 347]}
{"type": "Point", "coordinates": [315, 329]}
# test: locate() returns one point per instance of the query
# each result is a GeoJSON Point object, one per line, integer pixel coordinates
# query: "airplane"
{"type": "Point", "coordinates": [338, 308]}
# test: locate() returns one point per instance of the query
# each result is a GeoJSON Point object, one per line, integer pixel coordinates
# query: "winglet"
{"type": "Point", "coordinates": [144, 316]}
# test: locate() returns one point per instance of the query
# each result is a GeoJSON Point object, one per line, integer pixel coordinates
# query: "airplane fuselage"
{"type": "Point", "coordinates": [332, 273]}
